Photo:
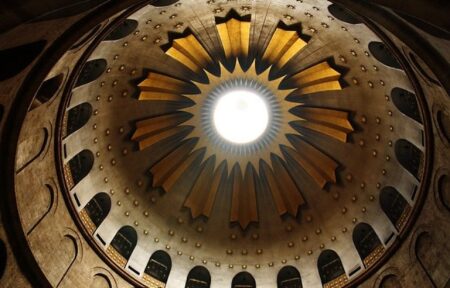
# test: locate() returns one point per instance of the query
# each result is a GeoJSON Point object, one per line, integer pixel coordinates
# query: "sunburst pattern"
{"type": "Point", "coordinates": [241, 166]}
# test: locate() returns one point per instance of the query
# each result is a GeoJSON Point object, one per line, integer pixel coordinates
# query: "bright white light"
{"type": "Point", "coordinates": [241, 116]}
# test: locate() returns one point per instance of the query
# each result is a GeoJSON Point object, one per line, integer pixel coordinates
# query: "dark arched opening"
{"type": "Point", "coordinates": [331, 268]}
{"type": "Point", "coordinates": [342, 14]}
{"type": "Point", "coordinates": [98, 208]}
{"type": "Point", "coordinates": [406, 102]}
{"type": "Point", "coordinates": [122, 245]}
{"type": "Point", "coordinates": [91, 71]}
{"type": "Point", "coordinates": [409, 156]}
{"type": "Point", "coordinates": [243, 280]}
{"type": "Point", "coordinates": [394, 206]}
{"type": "Point", "coordinates": [159, 266]}
{"type": "Point", "coordinates": [48, 89]}
{"type": "Point", "coordinates": [289, 277]}
{"type": "Point", "coordinates": [382, 54]}
{"type": "Point", "coordinates": [123, 30]}
{"type": "Point", "coordinates": [80, 166]}
{"type": "Point", "coordinates": [77, 117]}
{"type": "Point", "coordinates": [367, 244]}
{"type": "Point", "coordinates": [198, 277]}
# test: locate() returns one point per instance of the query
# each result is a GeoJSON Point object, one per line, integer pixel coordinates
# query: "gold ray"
{"type": "Point", "coordinates": [180, 169]}
{"type": "Point", "coordinates": [203, 193]}
{"type": "Point", "coordinates": [161, 87]}
{"type": "Point", "coordinates": [243, 202]}
{"type": "Point", "coordinates": [318, 78]}
{"type": "Point", "coordinates": [190, 52]}
{"type": "Point", "coordinates": [286, 195]}
{"type": "Point", "coordinates": [166, 166]}
{"type": "Point", "coordinates": [283, 46]}
{"type": "Point", "coordinates": [235, 37]}
{"type": "Point", "coordinates": [152, 139]}
{"type": "Point", "coordinates": [158, 124]}
{"type": "Point", "coordinates": [333, 123]}
{"type": "Point", "coordinates": [318, 165]}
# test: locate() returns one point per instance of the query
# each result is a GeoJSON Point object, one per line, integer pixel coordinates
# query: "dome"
{"type": "Point", "coordinates": [243, 143]}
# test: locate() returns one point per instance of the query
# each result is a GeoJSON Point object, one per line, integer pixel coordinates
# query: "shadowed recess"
{"type": "Point", "coordinates": [158, 268]}
{"type": "Point", "coordinates": [382, 54]}
{"type": "Point", "coordinates": [14, 60]}
{"type": "Point", "coordinates": [394, 206]}
{"type": "Point", "coordinates": [343, 14]}
{"type": "Point", "coordinates": [91, 71]}
{"type": "Point", "coordinates": [243, 279]}
{"type": "Point", "coordinates": [289, 277]}
{"type": "Point", "coordinates": [198, 277]}
{"type": "Point", "coordinates": [124, 29]}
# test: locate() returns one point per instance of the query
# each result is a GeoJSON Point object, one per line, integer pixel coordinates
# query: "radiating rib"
{"type": "Point", "coordinates": [152, 139]}
{"type": "Point", "coordinates": [163, 88]}
{"type": "Point", "coordinates": [235, 37]}
{"type": "Point", "coordinates": [285, 193]}
{"type": "Point", "coordinates": [318, 78]}
{"type": "Point", "coordinates": [168, 164]}
{"type": "Point", "coordinates": [157, 124]}
{"type": "Point", "coordinates": [190, 52]}
{"type": "Point", "coordinates": [203, 192]}
{"type": "Point", "coordinates": [283, 46]}
{"type": "Point", "coordinates": [318, 165]}
{"type": "Point", "coordinates": [180, 169]}
{"type": "Point", "coordinates": [333, 123]}
{"type": "Point", "coordinates": [243, 203]}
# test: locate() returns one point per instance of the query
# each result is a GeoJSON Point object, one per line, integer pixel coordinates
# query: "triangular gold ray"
{"type": "Point", "coordinates": [243, 204]}
{"type": "Point", "coordinates": [333, 123]}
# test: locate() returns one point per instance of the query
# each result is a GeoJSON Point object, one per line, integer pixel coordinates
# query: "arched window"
{"type": "Point", "coordinates": [394, 206]}
{"type": "Point", "coordinates": [409, 156]}
{"type": "Point", "coordinates": [2, 258]}
{"type": "Point", "coordinates": [382, 54]}
{"type": "Point", "coordinates": [289, 277]}
{"type": "Point", "coordinates": [78, 167]}
{"type": "Point", "coordinates": [198, 277]}
{"type": "Point", "coordinates": [367, 243]}
{"type": "Point", "coordinates": [342, 14]}
{"type": "Point", "coordinates": [330, 268]}
{"type": "Point", "coordinates": [47, 90]}
{"type": "Point", "coordinates": [159, 265]}
{"type": "Point", "coordinates": [123, 30]}
{"type": "Point", "coordinates": [406, 102]}
{"type": "Point", "coordinates": [123, 245]}
{"type": "Point", "coordinates": [77, 117]}
{"type": "Point", "coordinates": [91, 71]}
{"type": "Point", "coordinates": [243, 280]}
{"type": "Point", "coordinates": [97, 209]}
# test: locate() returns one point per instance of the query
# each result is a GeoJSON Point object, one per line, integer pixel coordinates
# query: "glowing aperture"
{"type": "Point", "coordinates": [241, 116]}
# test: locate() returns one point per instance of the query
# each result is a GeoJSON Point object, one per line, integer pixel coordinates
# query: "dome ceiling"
{"type": "Point", "coordinates": [340, 162]}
